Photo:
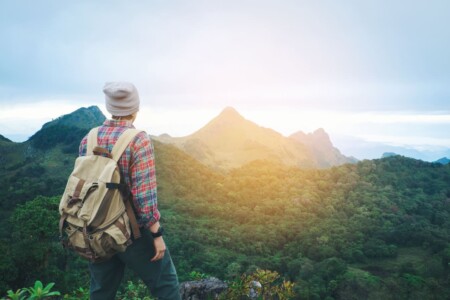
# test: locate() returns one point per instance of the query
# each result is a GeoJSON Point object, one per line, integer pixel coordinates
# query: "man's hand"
{"type": "Point", "coordinates": [160, 248]}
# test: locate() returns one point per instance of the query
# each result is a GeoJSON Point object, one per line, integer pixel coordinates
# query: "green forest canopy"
{"type": "Point", "coordinates": [363, 231]}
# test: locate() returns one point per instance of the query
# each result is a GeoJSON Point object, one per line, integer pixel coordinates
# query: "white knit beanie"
{"type": "Point", "coordinates": [121, 98]}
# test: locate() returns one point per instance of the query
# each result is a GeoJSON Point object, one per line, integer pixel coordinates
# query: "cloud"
{"type": "Point", "coordinates": [316, 56]}
{"type": "Point", "coordinates": [417, 142]}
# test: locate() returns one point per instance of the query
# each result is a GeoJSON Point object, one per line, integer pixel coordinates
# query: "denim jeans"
{"type": "Point", "coordinates": [160, 276]}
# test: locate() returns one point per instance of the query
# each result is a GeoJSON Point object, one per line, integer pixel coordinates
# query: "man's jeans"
{"type": "Point", "coordinates": [159, 276]}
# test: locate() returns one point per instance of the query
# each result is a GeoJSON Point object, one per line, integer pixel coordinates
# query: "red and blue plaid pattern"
{"type": "Point", "coordinates": [137, 165]}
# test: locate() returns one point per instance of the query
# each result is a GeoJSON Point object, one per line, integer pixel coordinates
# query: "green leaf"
{"type": "Point", "coordinates": [18, 295]}
{"type": "Point", "coordinates": [38, 284]}
{"type": "Point", "coordinates": [48, 287]}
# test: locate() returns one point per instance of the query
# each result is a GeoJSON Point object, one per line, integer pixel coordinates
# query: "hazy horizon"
{"type": "Point", "coordinates": [361, 149]}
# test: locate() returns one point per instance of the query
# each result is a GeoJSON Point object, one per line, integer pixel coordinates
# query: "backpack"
{"type": "Point", "coordinates": [96, 210]}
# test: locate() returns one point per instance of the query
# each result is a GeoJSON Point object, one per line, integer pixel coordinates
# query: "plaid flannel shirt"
{"type": "Point", "coordinates": [137, 165]}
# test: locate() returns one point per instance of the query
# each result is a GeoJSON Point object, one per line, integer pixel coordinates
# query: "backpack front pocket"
{"type": "Point", "coordinates": [113, 239]}
{"type": "Point", "coordinates": [77, 192]}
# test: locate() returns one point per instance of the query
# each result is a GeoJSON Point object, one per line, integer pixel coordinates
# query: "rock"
{"type": "Point", "coordinates": [255, 289]}
{"type": "Point", "coordinates": [208, 288]}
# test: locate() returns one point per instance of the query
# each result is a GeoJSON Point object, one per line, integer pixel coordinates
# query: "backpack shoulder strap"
{"type": "Point", "coordinates": [122, 143]}
{"type": "Point", "coordinates": [91, 141]}
{"type": "Point", "coordinates": [119, 147]}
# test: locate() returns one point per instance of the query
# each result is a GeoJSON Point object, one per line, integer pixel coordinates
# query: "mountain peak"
{"type": "Point", "coordinates": [82, 118]}
{"type": "Point", "coordinates": [320, 131]}
{"type": "Point", "coordinates": [443, 161]}
{"type": "Point", "coordinates": [67, 129]}
{"type": "Point", "coordinates": [321, 136]}
{"type": "Point", "coordinates": [229, 120]}
{"type": "Point", "coordinates": [318, 136]}
{"type": "Point", "coordinates": [320, 143]}
{"type": "Point", "coordinates": [389, 154]}
{"type": "Point", "coordinates": [230, 113]}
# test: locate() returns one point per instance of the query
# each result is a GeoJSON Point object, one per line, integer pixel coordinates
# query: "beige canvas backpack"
{"type": "Point", "coordinates": [96, 210]}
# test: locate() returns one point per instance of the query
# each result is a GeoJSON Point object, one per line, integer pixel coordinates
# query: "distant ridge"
{"type": "Point", "coordinates": [4, 139]}
{"type": "Point", "coordinates": [319, 142]}
{"type": "Point", "coordinates": [389, 154]}
{"type": "Point", "coordinates": [443, 161]}
{"type": "Point", "coordinates": [63, 133]}
{"type": "Point", "coordinates": [68, 129]}
{"type": "Point", "coordinates": [229, 141]}
{"type": "Point", "coordinates": [40, 165]}
{"type": "Point", "coordinates": [82, 118]}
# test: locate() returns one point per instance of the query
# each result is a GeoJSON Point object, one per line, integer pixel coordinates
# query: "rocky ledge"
{"type": "Point", "coordinates": [209, 288]}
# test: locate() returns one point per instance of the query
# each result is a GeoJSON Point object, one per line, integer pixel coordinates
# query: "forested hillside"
{"type": "Point", "coordinates": [40, 165]}
{"type": "Point", "coordinates": [351, 232]}
{"type": "Point", "coordinates": [378, 229]}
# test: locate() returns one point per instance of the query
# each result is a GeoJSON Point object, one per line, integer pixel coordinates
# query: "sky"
{"type": "Point", "coordinates": [371, 73]}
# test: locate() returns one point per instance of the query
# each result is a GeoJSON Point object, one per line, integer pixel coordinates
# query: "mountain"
{"type": "Point", "coordinates": [389, 154]}
{"type": "Point", "coordinates": [443, 161]}
{"type": "Point", "coordinates": [41, 164]}
{"type": "Point", "coordinates": [67, 130]}
{"type": "Point", "coordinates": [83, 118]}
{"type": "Point", "coordinates": [360, 231]}
{"type": "Point", "coordinates": [325, 153]}
{"type": "Point", "coordinates": [229, 141]}
{"type": "Point", "coordinates": [86, 118]}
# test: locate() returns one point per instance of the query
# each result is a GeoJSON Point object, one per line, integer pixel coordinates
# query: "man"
{"type": "Point", "coordinates": [148, 255]}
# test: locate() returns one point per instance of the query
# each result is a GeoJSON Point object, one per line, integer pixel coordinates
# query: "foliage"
{"type": "Point", "coordinates": [38, 291]}
{"type": "Point", "coordinates": [135, 292]}
{"type": "Point", "coordinates": [17, 295]}
{"type": "Point", "coordinates": [314, 226]}
{"type": "Point", "coordinates": [41, 292]}
{"type": "Point", "coordinates": [194, 275]}
{"type": "Point", "coordinates": [35, 248]}
{"type": "Point", "coordinates": [78, 294]}
{"type": "Point", "coordinates": [379, 229]}
{"type": "Point", "coordinates": [69, 136]}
